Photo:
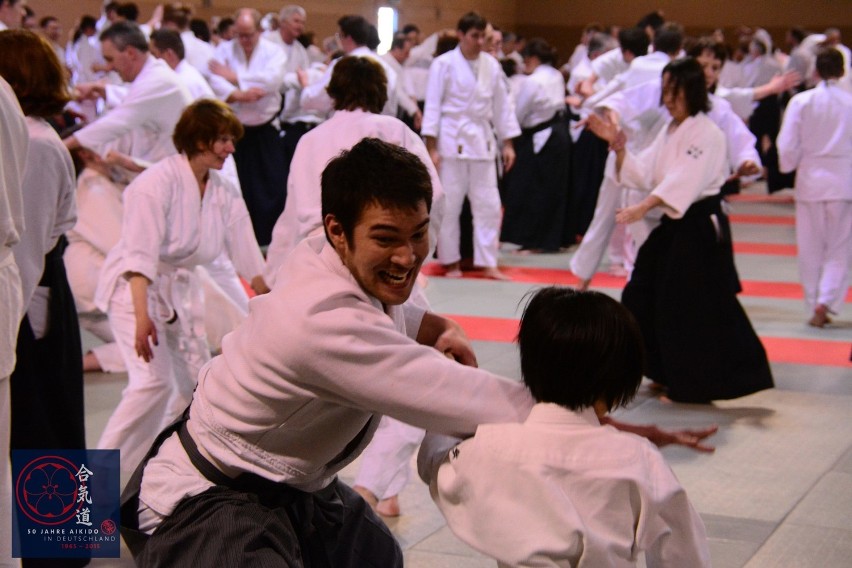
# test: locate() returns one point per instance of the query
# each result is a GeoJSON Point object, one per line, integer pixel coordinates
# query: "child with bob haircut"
{"type": "Point", "coordinates": [561, 489]}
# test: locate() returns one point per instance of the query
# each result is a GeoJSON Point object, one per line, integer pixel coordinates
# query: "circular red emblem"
{"type": "Point", "coordinates": [46, 490]}
{"type": "Point", "coordinates": [108, 527]}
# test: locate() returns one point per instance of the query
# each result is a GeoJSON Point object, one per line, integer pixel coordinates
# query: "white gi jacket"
{"type": "Point", "coordinates": [98, 229]}
{"type": "Point", "coordinates": [316, 99]}
{"type": "Point", "coordinates": [301, 385]}
{"type": "Point", "coordinates": [403, 99]}
{"type": "Point", "coordinates": [291, 89]}
{"type": "Point", "coordinates": [197, 52]}
{"type": "Point", "coordinates": [816, 141]}
{"type": "Point", "coordinates": [464, 108]}
{"type": "Point", "coordinates": [642, 69]}
{"type": "Point", "coordinates": [562, 490]}
{"type": "Point", "coordinates": [679, 167]}
{"type": "Point", "coordinates": [541, 95]}
{"type": "Point", "coordinates": [168, 229]}
{"type": "Point", "coordinates": [14, 144]}
{"type": "Point", "coordinates": [147, 114]}
{"type": "Point", "coordinates": [50, 210]}
{"type": "Point", "coordinates": [302, 214]}
{"type": "Point", "coordinates": [642, 103]}
{"type": "Point", "coordinates": [609, 64]}
{"type": "Point", "coordinates": [194, 81]}
{"type": "Point", "coordinates": [265, 69]}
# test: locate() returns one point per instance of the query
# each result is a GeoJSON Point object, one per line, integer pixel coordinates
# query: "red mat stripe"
{"type": "Point", "coordinates": [763, 219]}
{"type": "Point", "coordinates": [552, 276]}
{"type": "Point", "coordinates": [778, 349]}
{"type": "Point", "coordinates": [765, 248]}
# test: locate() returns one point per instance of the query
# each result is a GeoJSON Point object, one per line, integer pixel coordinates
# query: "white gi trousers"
{"type": "Point", "coordinates": [476, 180]}
{"type": "Point", "coordinates": [157, 392]}
{"type": "Point", "coordinates": [385, 469]}
{"type": "Point", "coordinates": [824, 239]}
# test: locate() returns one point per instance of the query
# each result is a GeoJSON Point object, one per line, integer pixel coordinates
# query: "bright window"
{"type": "Point", "coordinates": [387, 26]}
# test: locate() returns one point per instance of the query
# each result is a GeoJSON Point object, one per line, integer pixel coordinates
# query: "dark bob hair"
{"type": "Point", "coordinates": [686, 75]}
{"type": "Point", "coordinates": [578, 348]}
{"type": "Point", "coordinates": [373, 172]}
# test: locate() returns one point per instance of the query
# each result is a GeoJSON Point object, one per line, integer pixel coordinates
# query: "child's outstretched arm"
{"type": "Point", "coordinates": [689, 438]}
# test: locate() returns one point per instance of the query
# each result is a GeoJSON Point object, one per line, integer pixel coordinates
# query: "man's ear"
{"type": "Point", "coordinates": [334, 231]}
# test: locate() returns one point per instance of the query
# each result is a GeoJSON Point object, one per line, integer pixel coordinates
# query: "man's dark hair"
{"type": "Point", "coordinates": [165, 39]}
{"type": "Point", "coordinates": [539, 48]}
{"type": "Point", "coordinates": [373, 40]}
{"type": "Point", "coordinates": [655, 20]}
{"type": "Point", "coordinates": [669, 39]}
{"type": "Point", "coordinates": [223, 25]}
{"type": "Point", "coordinates": [124, 35]}
{"type": "Point", "coordinates": [707, 43]}
{"type": "Point", "coordinates": [634, 40]}
{"type": "Point", "coordinates": [798, 34]}
{"type": "Point", "coordinates": [200, 29]}
{"type": "Point", "coordinates": [829, 63]}
{"type": "Point", "coordinates": [373, 172]}
{"type": "Point", "coordinates": [687, 75]}
{"type": "Point", "coordinates": [86, 23]}
{"type": "Point", "coordinates": [178, 15]}
{"type": "Point", "coordinates": [358, 83]}
{"type": "Point", "coordinates": [408, 28]}
{"type": "Point", "coordinates": [471, 20]}
{"type": "Point", "coordinates": [355, 27]}
{"type": "Point", "coordinates": [42, 23]}
{"type": "Point", "coordinates": [399, 40]}
{"type": "Point", "coordinates": [578, 348]}
{"type": "Point", "coordinates": [128, 10]}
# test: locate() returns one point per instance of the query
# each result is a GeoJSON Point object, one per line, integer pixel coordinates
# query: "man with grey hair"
{"type": "Point", "coordinates": [143, 113]}
{"type": "Point", "coordinates": [294, 120]}
{"type": "Point", "coordinates": [247, 73]}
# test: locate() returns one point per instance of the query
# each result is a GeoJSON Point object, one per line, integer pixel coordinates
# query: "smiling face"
{"type": "Point", "coordinates": [712, 67]}
{"type": "Point", "coordinates": [386, 251]}
{"type": "Point", "coordinates": [214, 157]}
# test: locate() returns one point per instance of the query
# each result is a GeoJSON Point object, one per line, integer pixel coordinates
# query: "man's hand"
{"type": "Point", "coordinates": [689, 438]}
{"type": "Point", "coordinates": [455, 344]}
{"type": "Point", "coordinates": [258, 284]}
{"type": "Point", "coordinates": [89, 91]}
{"type": "Point", "coordinates": [145, 329]}
{"type": "Point", "coordinates": [602, 128]}
{"type": "Point", "coordinates": [251, 95]}
{"type": "Point", "coordinates": [302, 76]}
{"type": "Point", "coordinates": [417, 120]}
{"type": "Point", "coordinates": [630, 214]}
{"type": "Point", "coordinates": [222, 70]}
{"type": "Point", "coordinates": [508, 155]}
{"type": "Point", "coordinates": [748, 168]}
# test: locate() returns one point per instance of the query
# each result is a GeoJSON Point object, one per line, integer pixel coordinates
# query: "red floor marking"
{"type": "Point", "coordinates": [778, 349]}
{"type": "Point", "coordinates": [765, 248]}
{"type": "Point", "coordinates": [763, 219]}
{"type": "Point", "coordinates": [552, 276]}
{"type": "Point", "coordinates": [759, 198]}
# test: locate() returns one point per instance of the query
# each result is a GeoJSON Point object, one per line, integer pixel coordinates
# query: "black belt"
{"type": "Point", "coordinates": [557, 118]}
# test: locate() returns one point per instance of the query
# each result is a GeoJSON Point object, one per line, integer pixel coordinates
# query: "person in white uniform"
{"type": "Point", "coordinates": [300, 388]}
{"type": "Point", "coordinates": [13, 155]}
{"type": "Point", "coordinates": [467, 100]}
{"type": "Point", "coordinates": [198, 52]}
{"type": "Point", "coordinates": [178, 214]}
{"type": "Point", "coordinates": [247, 73]}
{"type": "Point", "coordinates": [816, 141]}
{"type": "Point", "coordinates": [561, 489]}
{"type": "Point", "coordinates": [354, 37]}
{"type": "Point", "coordinates": [640, 105]}
{"type": "Point", "coordinates": [355, 89]}
{"type": "Point", "coordinates": [167, 45]}
{"type": "Point", "coordinates": [359, 92]}
{"type": "Point", "coordinates": [701, 351]}
{"type": "Point", "coordinates": [147, 109]}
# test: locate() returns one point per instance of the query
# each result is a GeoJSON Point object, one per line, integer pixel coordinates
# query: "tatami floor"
{"type": "Point", "coordinates": [778, 490]}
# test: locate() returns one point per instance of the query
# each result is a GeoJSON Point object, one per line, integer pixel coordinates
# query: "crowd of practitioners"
{"type": "Point", "coordinates": [165, 168]}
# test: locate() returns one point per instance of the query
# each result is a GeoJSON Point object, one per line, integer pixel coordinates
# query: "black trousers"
{"type": "Point", "coordinates": [262, 169]}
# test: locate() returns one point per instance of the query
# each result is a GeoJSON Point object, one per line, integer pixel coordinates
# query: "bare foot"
{"type": "Point", "coordinates": [452, 270]}
{"type": "Point", "coordinates": [367, 495]}
{"type": "Point", "coordinates": [388, 507]}
{"type": "Point", "coordinates": [91, 363]}
{"type": "Point", "coordinates": [820, 317]}
{"type": "Point", "coordinates": [493, 273]}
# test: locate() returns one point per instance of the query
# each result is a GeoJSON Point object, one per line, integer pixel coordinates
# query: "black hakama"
{"type": "Point", "coordinates": [587, 172]}
{"type": "Point", "coordinates": [538, 189]}
{"type": "Point", "coordinates": [699, 341]}
{"type": "Point", "coordinates": [262, 167]}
